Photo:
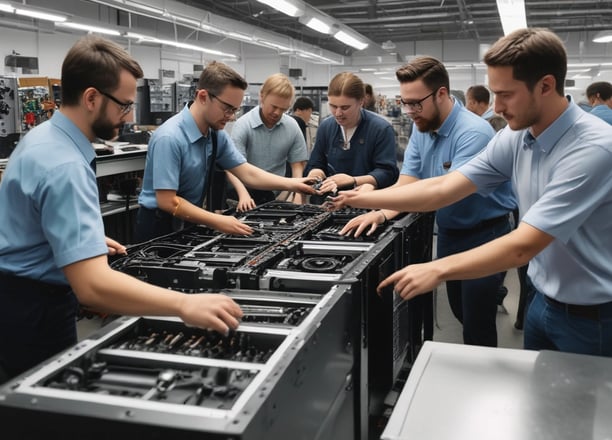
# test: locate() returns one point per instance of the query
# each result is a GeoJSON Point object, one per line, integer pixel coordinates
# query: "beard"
{"type": "Point", "coordinates": [427, 125]}
{"type": "Point", "coordinates": [103, 128]}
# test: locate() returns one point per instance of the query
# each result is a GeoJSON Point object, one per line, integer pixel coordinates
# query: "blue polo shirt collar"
{"type": "Point", "coordinates": [73, 132]}
{"type": "Point", "coordinates": [555, 131]}
{"type": "Point", "coordinates": [191, 128]}
{"type": "Point", "coordinates": [448, 124]}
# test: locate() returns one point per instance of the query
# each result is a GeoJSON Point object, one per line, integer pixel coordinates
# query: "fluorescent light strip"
{"type": "Point", "coordinates": [149, 39]}
{"type": "Point", "coordinates": [88, 28]}
{"type": "Point", "coordinates": [284, 6]}
{"type": "Point", "coordinates": [4, 7]}
{"type": "Point", "coordinates": [603, 37]}
{"type": "Point", "coordinates": [350, 40]}
{"type": "Point", "coordinates": [146, 8]}
{"type": "Point", "coordinates": [512, 15]}
{"type": "Point", "coordinates": [40, 15]}
{"type": "Point", "coordinates": [318, 25]}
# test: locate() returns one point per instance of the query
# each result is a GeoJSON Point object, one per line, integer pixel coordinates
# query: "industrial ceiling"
{"type": "Point", "coordinates": [388, 22]}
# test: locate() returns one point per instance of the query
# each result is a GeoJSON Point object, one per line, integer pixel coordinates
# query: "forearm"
{"type": "Point", "coordinates": [365, 179]}
{"type": "Point", "coordinates": [317, 173]}
{"type": "Point", "coordinates": [297, 169]}
{"type": "Point", "coordinates": [506, 252]}
{"type": "Point", "coordinates": [114, 292]}
{"type": "Point", "coordinates": [257, 178]}
{"type": "Point", "coordinates": [421, 196]}
{"type": "Point", "coordinates": [187, 211]}
{"type": "Point", "coordinates": [241, 190]}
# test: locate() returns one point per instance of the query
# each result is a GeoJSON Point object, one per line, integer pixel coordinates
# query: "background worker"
{"type": "Point", "coordinates": [269, 139]}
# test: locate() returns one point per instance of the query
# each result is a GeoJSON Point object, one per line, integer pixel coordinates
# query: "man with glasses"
{"type": "Point", "coordinates": [355, 148]}
{"type": "Point", "coordinates": [53, 252]}
{"type": "Point", "coordinates": [180, 159]}
{"type": "Point", "coordinates": [269, 139]}
{"type": "Point", "coordinates": [447, 136]}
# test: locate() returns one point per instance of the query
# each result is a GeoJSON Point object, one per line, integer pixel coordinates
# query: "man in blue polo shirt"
{"type": "Point", "coordinates": [180, 161]}
{"type": "Point", "coordinates": [447, 136]}
{"type": "Point", "coordinates": [559, 161]}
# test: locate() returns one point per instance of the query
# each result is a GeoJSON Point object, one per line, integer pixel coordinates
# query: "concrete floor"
{"type": "Point", "coordinates": [448, 329]}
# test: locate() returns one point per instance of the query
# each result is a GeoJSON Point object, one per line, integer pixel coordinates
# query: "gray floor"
{"type": "Point", "coordinates": [448, 329]}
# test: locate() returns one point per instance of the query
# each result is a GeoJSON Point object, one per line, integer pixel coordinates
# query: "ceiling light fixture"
{"type": "Point", "coordinates": [291, 8]}
{"type": "Point", "coordinates": [88, 28]}
{"type": "Point", "coordinates": [145, 8]}
{"type": "Point", "coordinates": [5, 7]}
{"type": "Point", "coordinates": [318, 25]}
{"type": "Point", "coordinates": [603, 37]}
{"type": "Point", "coordinates": [149, 39]}
{"type": "Point", "coordinates": [350, 40]}
{"type": "Point", "coordinates": [512, 15]}
{"type": "Point", "coordinates": [40, 15]}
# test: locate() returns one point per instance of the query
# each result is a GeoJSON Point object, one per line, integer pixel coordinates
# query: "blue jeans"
{"type": "Point", "coordinates": [549, 327]}
{"type": "Point", "coordinates": [473, 302]}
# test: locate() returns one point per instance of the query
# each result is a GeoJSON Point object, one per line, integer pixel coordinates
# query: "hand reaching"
{"type": "Point", "coordinates": [245, 204]}
{"type": "Point", "coordinates": [114, 247]}
{"type": "Point", "coordinates": [211, 311]}
{"type": "Point", "coordinates": [413, 280]}
{"type": "Point", "coordinates": [361, 223]}
{"type": "Point", "coordinates": [230, 225]}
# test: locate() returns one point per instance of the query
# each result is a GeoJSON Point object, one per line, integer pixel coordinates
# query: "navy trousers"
{"type": "Point", "coordinates": [474, 302]}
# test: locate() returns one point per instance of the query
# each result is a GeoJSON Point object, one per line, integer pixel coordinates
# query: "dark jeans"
{"type": "Point", "coordinates": [37, 321]}
{"type": "Point", "coordinates": [474, 302]}
{"type": "Point", "coordinates": [551, 327]}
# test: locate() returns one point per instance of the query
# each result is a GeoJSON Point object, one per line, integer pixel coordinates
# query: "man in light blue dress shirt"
{"type": "Point", "coordinates": [53, 252]}
{"type": "Point", "coordinates": [559, 160]}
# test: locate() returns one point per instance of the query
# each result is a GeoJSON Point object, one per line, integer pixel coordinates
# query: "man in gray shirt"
{"type": "Point", "coordinates": [269, 139]}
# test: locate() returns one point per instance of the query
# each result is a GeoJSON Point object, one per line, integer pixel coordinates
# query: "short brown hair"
{"type": "Point", "coordinates": [94, 62]}
{"type": "Point", "coordinates": [216, 76]}
{"type": "Point", "coordinates": [346, 84]}
{"type": "Point", "coordinates": [532, 53]}
{"type": "Point", "coordinates": [428, 69]}
{"type": "Point", "coordinates": [601, 88]}
{"type": "Point", "coordinates": [478, 93]}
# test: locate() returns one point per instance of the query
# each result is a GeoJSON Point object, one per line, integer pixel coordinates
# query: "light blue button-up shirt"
{"type": "Point", "coordinates": [178, 158]}
{"type": "Point", "coordinates": [49, 208]}
{"type": "Point", "coordinates": [563, 183]}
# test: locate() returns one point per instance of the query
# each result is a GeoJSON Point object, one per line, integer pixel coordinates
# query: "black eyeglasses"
{"type": "Point", "coordinates": [416, 106]}
{"type": "Point", "coordinates": [229, 109]}
{"type": "Point", "coordinates": [125, 107]}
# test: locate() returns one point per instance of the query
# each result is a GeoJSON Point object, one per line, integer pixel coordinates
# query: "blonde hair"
{"type": "Point", "coordinates": [279, 85]}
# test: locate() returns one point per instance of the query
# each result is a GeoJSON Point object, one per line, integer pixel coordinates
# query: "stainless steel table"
{"type": "Point", "coordinates": [464, 392]}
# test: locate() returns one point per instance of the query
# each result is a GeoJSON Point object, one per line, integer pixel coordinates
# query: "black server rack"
{"type": "Point", "coordinates": [314, 356]}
